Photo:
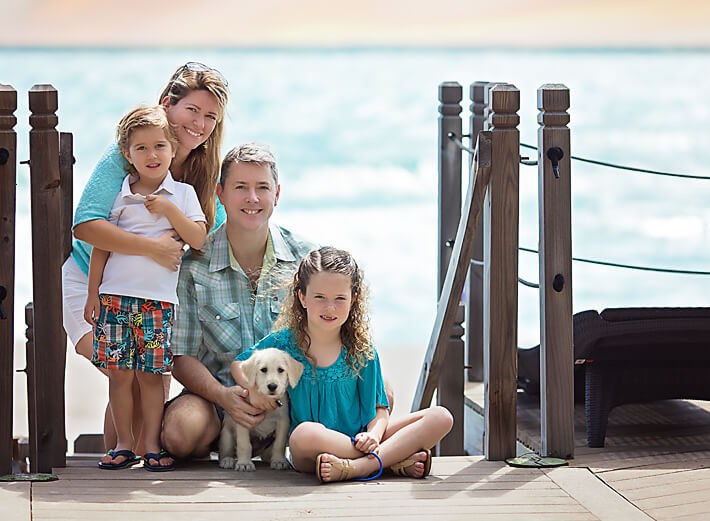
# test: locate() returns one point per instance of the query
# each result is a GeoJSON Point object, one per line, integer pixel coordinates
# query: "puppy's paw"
{"type": "Point", "coordinates": [244, 467]}
{"type": "Point", "coordinates": [226, 463]}
{"type": "Point", "coordinates": [280, 464]}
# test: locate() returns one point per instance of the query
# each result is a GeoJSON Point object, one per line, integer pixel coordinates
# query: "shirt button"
{"type": "Point", "coordinates": [257, 319]}
{"type": "Point", "coordinates": [218, 317]}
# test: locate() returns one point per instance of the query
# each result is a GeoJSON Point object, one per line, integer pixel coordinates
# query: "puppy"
{"type": "Point", "coordinates": [268, 372]}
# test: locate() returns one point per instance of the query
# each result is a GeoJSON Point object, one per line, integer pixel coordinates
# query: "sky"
{"type": "Point", "coordinates": [340, 23]}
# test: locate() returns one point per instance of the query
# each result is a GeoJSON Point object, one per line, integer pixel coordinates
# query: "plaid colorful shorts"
{"type": "Point", "coordinates": [133, 333]}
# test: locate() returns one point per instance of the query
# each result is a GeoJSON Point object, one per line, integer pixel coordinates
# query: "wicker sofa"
{"type": "Point", "coordinates": [627, 355]}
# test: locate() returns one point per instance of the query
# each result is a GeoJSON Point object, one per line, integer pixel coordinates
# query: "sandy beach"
{"type": "Point", "coordinates": [87, 389]}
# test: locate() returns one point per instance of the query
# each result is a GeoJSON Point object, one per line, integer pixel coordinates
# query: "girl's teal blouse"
{"type": "Point", "coordinates": [333, 395]}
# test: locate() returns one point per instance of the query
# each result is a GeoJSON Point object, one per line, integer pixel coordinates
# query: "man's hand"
{"type": "Point", "coordinates": [235, 403]}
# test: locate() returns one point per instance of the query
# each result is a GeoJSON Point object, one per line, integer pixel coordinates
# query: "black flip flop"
{"type": "Point", "coordinates": [157, 456]}
{"type": "Point", "coordinates": [131, 459]}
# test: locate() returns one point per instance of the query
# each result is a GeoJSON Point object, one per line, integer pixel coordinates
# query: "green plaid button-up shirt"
{"type": "Point", "coordinates": [219, 315]}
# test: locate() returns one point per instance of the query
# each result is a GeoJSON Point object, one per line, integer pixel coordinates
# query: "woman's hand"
{"type": "Point", "coordinates": [167, 251]}
{"type": "Point", "coordinates": [367, 442]}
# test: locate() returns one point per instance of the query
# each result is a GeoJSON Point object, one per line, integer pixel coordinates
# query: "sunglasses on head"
{"type": "Point", "coordinates": [198, 67]}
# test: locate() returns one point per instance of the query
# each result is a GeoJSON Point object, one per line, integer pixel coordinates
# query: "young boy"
{"type": "Point", "coordinates": [131, 298]}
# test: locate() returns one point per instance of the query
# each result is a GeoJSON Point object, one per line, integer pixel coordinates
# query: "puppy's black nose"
{"type": "Point", "coordinates": [272, 387]}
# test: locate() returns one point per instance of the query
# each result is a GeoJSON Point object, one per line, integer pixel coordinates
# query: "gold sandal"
{"type": "Point", "coordinates": [343, 465]}
{"type": "Point", "coordinates": [400, 468]}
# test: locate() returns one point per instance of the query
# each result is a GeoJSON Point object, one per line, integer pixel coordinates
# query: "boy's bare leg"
{"type": "Point", "coordinates": [120, 382]}
{"type": "Point", "coordinates": [85, 348]}
{"type": "Point", "coordinates": [152, 399]}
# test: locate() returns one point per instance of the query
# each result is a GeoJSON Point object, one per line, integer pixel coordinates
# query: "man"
{"type": "Point", "coordinates": [229, 299]}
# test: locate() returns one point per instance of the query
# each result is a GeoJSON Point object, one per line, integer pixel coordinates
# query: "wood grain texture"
{"type": "Point", "coordinates": [500, 338]}
{"type": "Point", "coordinates": [48, 441]}
{"type": "Point", "coordinates": [555, 268]}
{"type": "Point", "coordinates": [8, 183]}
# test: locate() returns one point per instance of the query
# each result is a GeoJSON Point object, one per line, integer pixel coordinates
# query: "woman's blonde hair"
{"type": "Point", "coordinates": [201, 168]}
{"type": "Point", "coordinates": [143, 116]}
{"type": "Point", "coordinates": [355, 332]}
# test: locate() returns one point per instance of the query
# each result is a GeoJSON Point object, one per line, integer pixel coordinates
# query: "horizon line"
{"type": "Point", "coordinates": [367, 47]}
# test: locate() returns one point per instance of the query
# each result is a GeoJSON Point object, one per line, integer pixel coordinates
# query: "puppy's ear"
{"type": "Point", "coordinates": [294, 369]}
{"type": "Point", "coordinates": [249, 369]}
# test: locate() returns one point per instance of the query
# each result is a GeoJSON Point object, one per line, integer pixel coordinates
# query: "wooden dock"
{"type": "Point", "coordinates": [625, 484]}
{"type": "Point", "coordinates": [462, 488]}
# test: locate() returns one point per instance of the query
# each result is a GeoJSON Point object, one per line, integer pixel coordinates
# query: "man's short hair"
{"type": "Point", "coordinates": [256, 153]}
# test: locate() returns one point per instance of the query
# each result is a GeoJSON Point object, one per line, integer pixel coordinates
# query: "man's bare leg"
{"type": "Point", "coordinates": [190, 425]}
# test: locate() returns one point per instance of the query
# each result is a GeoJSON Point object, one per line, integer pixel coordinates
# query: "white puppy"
{"type": "Point", "coordinates": [269, 372]}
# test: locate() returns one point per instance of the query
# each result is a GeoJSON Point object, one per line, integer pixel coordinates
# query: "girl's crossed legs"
{"type": "Point", "coordinates": [405, 438]}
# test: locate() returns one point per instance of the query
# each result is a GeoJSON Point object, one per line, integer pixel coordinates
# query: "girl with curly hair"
{"type": "Point", "coordinates": [340, 424]}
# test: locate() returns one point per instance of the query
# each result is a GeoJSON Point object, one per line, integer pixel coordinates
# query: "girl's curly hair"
{"type": "Point", "coordinates": [355, 332]}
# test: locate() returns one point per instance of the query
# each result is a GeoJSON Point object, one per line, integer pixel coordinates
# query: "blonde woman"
{"type": "Point", "coordinates": [195, 99]}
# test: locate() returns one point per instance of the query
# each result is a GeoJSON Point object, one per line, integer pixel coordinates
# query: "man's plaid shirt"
{"type": "Point", "coordinates": [219, 315]}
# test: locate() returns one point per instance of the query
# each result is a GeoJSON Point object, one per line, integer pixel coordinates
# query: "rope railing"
{"type": "Point", "coordinates": [520, 279]}
{"type": "Point", "coordinates": [602, 263]}
{"type": "Point", "coordinates": [524, 282]}
{"type": "Point", "coordinates": [531, 162]}
{"type": "Point", "coordinates": [628, 266]}
{"type": "Point", "coordinates": [621, 167]}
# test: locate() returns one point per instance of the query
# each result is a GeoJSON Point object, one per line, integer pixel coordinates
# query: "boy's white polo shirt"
{"type": "Point", "coordinates": [136, 275]}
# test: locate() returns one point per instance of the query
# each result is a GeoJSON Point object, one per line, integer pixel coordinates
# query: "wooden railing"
{"type": "Point", "coordinates": [51, 164]}
{"type": "Point", "coordinates": [491, 288]}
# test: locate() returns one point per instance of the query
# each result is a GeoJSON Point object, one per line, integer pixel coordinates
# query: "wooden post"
{"type": "Point", "coordinates": [501, 276]}
{"type": "Point", "coordinates": [449, 392]}
{"type": "Point", "coordinates": [32, 386]}
{"type": "Point", "coordinates": [449, 200]}
{"type": "Point", "coordinates": [556, 343]}
{"type": "Point", "coordinates": [474, 282]}
{"type": "Point", "coordinates": [66, 176]}
{"type": "Point", "coordinates": [450, 388]}
{"type": "Point", "coordinates": [8, 165]}
{"type": "Point", "coordinates": [47, 257]}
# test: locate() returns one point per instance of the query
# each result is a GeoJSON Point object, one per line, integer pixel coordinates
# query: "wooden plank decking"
{"type": "Point", "coordinates": [656, 466]}
{"type": "Point", "coordinates": [462, 488]}
{"type": "Point", "coordinates": [657, 454]}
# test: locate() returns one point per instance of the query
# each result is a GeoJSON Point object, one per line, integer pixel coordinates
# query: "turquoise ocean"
{"type": "Point", "coordinates": [355, 135]}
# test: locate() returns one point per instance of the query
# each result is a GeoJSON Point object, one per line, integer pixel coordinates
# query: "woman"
{"type": "Point", "coordinates": [195, 98]}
